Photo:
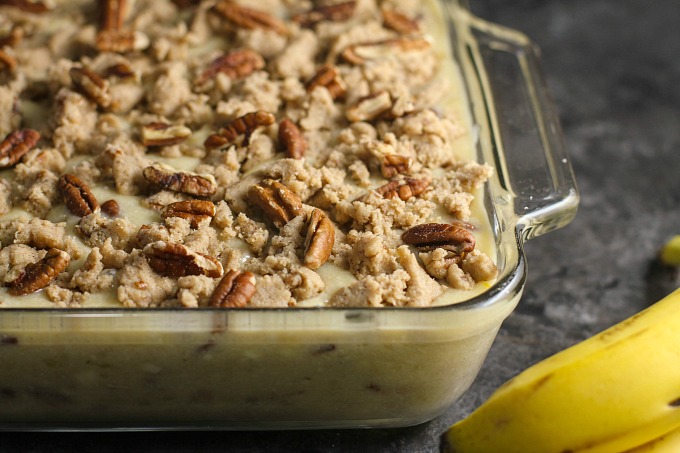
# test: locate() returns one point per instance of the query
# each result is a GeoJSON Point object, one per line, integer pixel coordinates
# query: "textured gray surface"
{"type": "Point", "coordinates": [614, 71]}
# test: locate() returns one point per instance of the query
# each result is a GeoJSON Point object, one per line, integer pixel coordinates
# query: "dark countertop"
{"type": "Point", "coordinates": [614, 71]}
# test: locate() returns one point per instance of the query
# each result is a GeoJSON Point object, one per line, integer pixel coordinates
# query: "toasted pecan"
{"type": "Point", "coordinates": [448, 236]}
{"type": "Point", "coordinates": [187, 182]}
{"type": "Point", "coordinates": [410, 187]}
{"type": "Point", "coordinates": [242, 126]}
{"type": "Point", "coordinates": [163, 134]}
{"type": "Point", "coordinates": [361, 53]}
{"type": "Point", "coordinates": [234, 290]}
{"type": "Point", "coordinates": [335, 12]}
{"type": "Point", "coordinates": [15, 145]}
{"type": "Point", "coordinates": [392, 165]}
{"type": "Point", "coordinates": [76, 195]}
{"type": "Point", "coordinates": [91, 85]}
{"type": "Point", "coordinates": [236, 64]}
{"type": "Point", "coordinates": [399, 22]}
{"type": "Point", "coordinates": [195, 211]}
{"type": "Point", "coordinates": [319, 240]}
{"type": "Point", "coordinates": [26, 6]}
{"type": "Point", "coordinates": [291, 140]}
{"type": "Point", "coordinates": [176, 260]}
{"type": "Point", "coordinates": [249, 18]}
{"type": "Point", "coordinates": [277, 201]}
{"type": "Point", "coordinates": [328, 76]}
{"type": "Point", "coordinates": [36, 276]}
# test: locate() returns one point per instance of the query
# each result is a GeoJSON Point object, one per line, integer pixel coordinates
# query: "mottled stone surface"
{"type": "Point", "coordinates": [614, 71]}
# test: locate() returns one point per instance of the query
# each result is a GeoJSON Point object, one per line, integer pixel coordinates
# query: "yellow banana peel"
{"type": "Point", "coordinates": [667, 443]}
{"type": "Point", "coordinates": [613, 392]}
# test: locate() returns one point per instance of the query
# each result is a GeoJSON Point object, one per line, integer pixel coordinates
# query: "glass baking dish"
{"type": "Point", "coordinates": [309, 367]}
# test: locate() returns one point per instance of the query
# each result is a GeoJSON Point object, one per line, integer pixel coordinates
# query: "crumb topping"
{"type": "Point", "coordinates": [234, 154]}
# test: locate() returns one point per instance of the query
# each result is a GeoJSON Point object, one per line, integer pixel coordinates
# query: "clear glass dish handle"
{"type": "Point", "coordinates": [527, 143]}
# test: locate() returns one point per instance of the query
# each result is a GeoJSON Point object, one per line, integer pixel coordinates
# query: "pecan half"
{"type": "Point", "coordinates": [112, 14]}
{"type": "Point", "coordinates": [175, 260]}
{"type": "Point", "coordinates": [360, 53]}
{"type": "Point", "coordinates": [370, 107]}
{"type": "Point", "coordinates": [195, 211]}
{"type": "Point", "coordinates": [279, 203]}
{"type": "Point", "coordinates": [111, 37]}
{"type": "Point", "coordinates": [336, 12]}
{"type": "Point", "coordinates": [244, 125]}
{"type": "Point", "coordinates": [91, 85]}
{"type": "Point", "coordinates": [187, 182]}
{"type": "Point", "coordinates": [327, 76]}
{"type": "Point", "coordinates": [15, 145]}
{"type": "Point", "coordinates": [36, 276]}
{"type": "Point", "coordinates": [319, 240]}
{"type": "Point", "coordinates": [7, 61]}
{"type": "Point", "coordinates": [249, 18]}
{"type": "Point", "coordinates": [76, 195]}
{"type": "Point", "coordinates": [26, 6]}
{"type": "Point", "coordinates": [394, 164]}
{"type": "Point", "coordinates": [237, 65]}
{"type": "Point", "coordinates": [291, 140]}
{"type": "Point", "coordinates": [163, 134]}
{"type": "Point", "coordinates": [410, 187]}
{"type": "Point", "coordinates": [401, 23]}
{"type": "Point", "coordinates": [234, 290]}
{"type": "Point", "coordinates": [429, 236]}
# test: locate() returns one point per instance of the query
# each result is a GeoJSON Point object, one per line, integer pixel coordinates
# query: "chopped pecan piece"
{"type": "Point", "coordinates": [111, 208]}
{"type": "Point", "coordinates": [13, 38]}
{"type": "Point", "coordinates": [401, 23]}
{"type": "Point", "coordinates": [234, 290]}
{"type": "Point", "coordinates": [121, 41]}
{"type": "Point", "coordinates": [195, 211]}
{"type": "Point", "coordinates": [186, 3]}
{"type": "Point", "coordinates": [7, 61]}
{"type": "Point", "coordinates": [370, 107]}
{"type": "Point", "coordinates": [410, 187]}
{"type": "Point", "coordinates": [76, 195]}
{"type": "Point", "coordinates": [187, 182]}
{"type": "Point", "coordinates": [359, 54]}
{"type": "Point", "coordinates": [335, 12]}
{"type": "Point", "coordinates": [175, 260]}
{"type": "Point", "coordinates": [429, 236]}
{"type": "Point", "coordinates": [244, 125]}
{"type": "Point", "coordinates": [26, 5]}
{"type": "Point", "coordinates": [121, 70]}
{"type": "Point", "coordinates": [291, 140]}
{"type": "Point", "coordinates": [249, 18]}
{"type": "Point", "coordinates": [276, 200]}
{"type": "Point", "coordinates": [36, 276]}
{"type": "Point", "coordinates": [319, 240]}
{"type": "Point", "coordinates": [91, 85]}
{"type": "Point", "coordinates": [237, 65]}
{"type": "Point", "coordinates": [328, 76]}
{"type": "Point", "coordinates": [15, 145]}
{"type": "Point", "coordinates": [394, 164]}
{"type": "Point", "coordinates": [163, 134]}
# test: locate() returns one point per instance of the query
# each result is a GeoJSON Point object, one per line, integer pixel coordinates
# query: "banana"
{"type": "Point", "coordinates": [670, 252]}
{"type": "Point", "coordinates": [668, 443]}
{"type": "Point", "coordinates": [612, 392]}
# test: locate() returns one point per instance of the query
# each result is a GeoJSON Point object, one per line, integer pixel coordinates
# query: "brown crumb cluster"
{"type": "Point", "coordinates": [231, 154]}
